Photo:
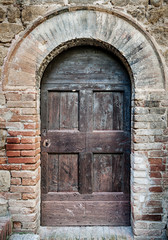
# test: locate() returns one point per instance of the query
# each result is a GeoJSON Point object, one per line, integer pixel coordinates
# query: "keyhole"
{"type": "Point", "coordinates": [46, 143]}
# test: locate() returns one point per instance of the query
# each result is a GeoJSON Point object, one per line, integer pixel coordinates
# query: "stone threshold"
{"type": "Point", "coordinates": [86, 233]}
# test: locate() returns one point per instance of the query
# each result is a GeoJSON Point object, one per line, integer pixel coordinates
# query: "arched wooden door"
{"type": "Point", "coordinates": [85, 125]}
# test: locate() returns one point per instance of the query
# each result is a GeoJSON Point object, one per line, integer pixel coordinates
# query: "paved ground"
{"type": "Point", "coordinates": [86, 233]}
{"type": "Point", "coordinates": [24, 237]}
{"type": "Point", "coordinates": [78, 233]}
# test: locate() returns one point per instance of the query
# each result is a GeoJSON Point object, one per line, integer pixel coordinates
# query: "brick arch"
{"type": "Point", "coordinates": [22, 72]}
{"type": "Point", "coordinates": [111, 27]}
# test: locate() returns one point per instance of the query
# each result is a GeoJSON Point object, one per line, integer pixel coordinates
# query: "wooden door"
{"type": "Point", "coordinates": [85, 125]}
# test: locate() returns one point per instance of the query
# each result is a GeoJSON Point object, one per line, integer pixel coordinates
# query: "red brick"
{"type": "Point", "coordinates": [21, 104]}
{"type": "Point", "coordinates": [10, 167]}
{"type": "Point", "coordinates": [155, 189]}
{"type": "Point", "coordinates": [26, 189]}
{"type": "Point", "coordinates": [156, 168]}
{"type": "Point", "coordinates": [155, 175]}
{"type": "Point", "coordinates": [26, 196]}
{"type": "Point", "coordinates": [13, 96]}
{"type": "Point", "coordinates": [31, 153]}
{"type": "Point", "coordinates": [30, 126]}
{"type": "Point", "coordinates": [22, 160]}
{"type": "Point", "coordinates": [3, 125]}
{"type": "Point", "coordinates": [13, 140]}
{"type": "Point", "coordinates": [31, 166]}
{"type": "Point", "coordinates": [17, 225]}
{"type": "Point", "coordinates": [13, 153]}
{"type": "Point", "coordinates": [37, 145]}
{"type": "Point", "coordinates": [30, 181]}
{"type": "Point", "coordinates": [3, 160]}
{"type": "Point", "coordinates": [29, 111]}
{"type": "Point", "coordinates": [37, 151]}
{"type": "Point", "coordinates": [154, 204]}
{"type": "Point", "coordinates": [23, 118]}
{"type": "Point", "coordinates": [22, 133]}
{"type": "Point", "coordinates": [150, 217]}
{"type": "Point", "coordinates": [21, 146]}
{"type": "Point", "coordinates": [16, 181]}
{"type": "Point", "coordinates": [157, 161]}
{"type": "Point", "coordinates": [28, 140]}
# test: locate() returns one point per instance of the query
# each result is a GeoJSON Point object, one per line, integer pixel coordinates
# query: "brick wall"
{"type": "Point", "coordinates": [29, 50]}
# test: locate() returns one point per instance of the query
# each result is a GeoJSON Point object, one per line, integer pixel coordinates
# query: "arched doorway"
{"type": "Point", "coordinates": [85, 126]}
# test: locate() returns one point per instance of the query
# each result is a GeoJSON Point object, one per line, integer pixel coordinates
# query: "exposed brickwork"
{"type": "Point", "coordinates": [19, 97]}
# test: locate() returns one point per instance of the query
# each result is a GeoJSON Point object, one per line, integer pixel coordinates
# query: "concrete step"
{"type": "Point", "coordinates": [5, 227]}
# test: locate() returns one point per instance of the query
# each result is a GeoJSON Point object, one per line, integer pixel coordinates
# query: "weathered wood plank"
{"type": "Point", "coordinates": [68, 110]}
{"type": "Point", "coordinates": [68, 173]}
{"type": "Point", "coordinates": [53, 166]}
{"type": "Point", "coordinates": [103, 110]}
{"type": "Point", "coordinates": [44, 169]}
{"type": "Point", "coordinates": [86, 213]}
{"type": "Point", "coordinates": [64, 142]}
{"type": "Point", "coordinates": [86, 110]}
{"type": "Point", "coordinates": [107, 141]}
{"type": "Point", "coordinates": [102, 173]}
{"type": "Point", "coordinates": [53, 110]}
{"type": "Point", "coordinates": [85, 172]}
{"type": "Point", "coordinates": [118, 111]}
{"type": "Point", "coordinates": [117, 173]}
{"type": "Point", "coordinates": [95, 196]}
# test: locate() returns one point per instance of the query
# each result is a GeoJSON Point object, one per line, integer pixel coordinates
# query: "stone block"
{"type": "Point", "coordinates": [154, 15]}
{"type": "Point", "coordinates": [2, 99]}
{"type": "Point", "coordinates": [156, 3]}
{"type": "Point", "coordinates": [2, 14]}
{"type": "Point", "coordinates": [120, 3]}
{"type": "Point", "coordinates": [8, 31]}
{"type": "Point", "coordinates": [13, 14]}
{"type": "Point", "coordinates": [4, 181]}
{"type": "Point", "coordinates": [3, 207]}
{"type": "Point", "coordinates": [3, 53]}
{"type": "Point", "coordinates": [30, 13]}
{"type": "Point", "coordinates": [6, 2]}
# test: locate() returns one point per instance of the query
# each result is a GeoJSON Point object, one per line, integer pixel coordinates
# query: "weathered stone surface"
{"type": "Point", "coordinates": [2, 14]}
{"type": "Point", "coordinates": [160, 33]}
{"type": "Point", "coordinates": [13, 14]}
{"type": "Point", "coordinates": [138, 12]}
{"type": "Point", "coordinates": [8, 31]}
{"type": "Point", "coordinates": [3, 53]}
{"type": "Point", "coordinates": [3, 207]}
{"type": "Point", "coordinates": [139, 2]}
{"type": "Point", "coordinates": [120, 3]}
{"type": "Point", "coordinates": [36, 2]}
{"type": "Point", "coordinates": [6, 1]}
{"type": "Point", "coordinates": [30, 13]}
{"type": "Point", "coordinates": [24, 237]}
{"type": "Point", "coordinates": [156, 3]}
{"type": "Point", "coordinates": [4, 181]}
{"type": "Point", "coordinates": [155, 14]}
